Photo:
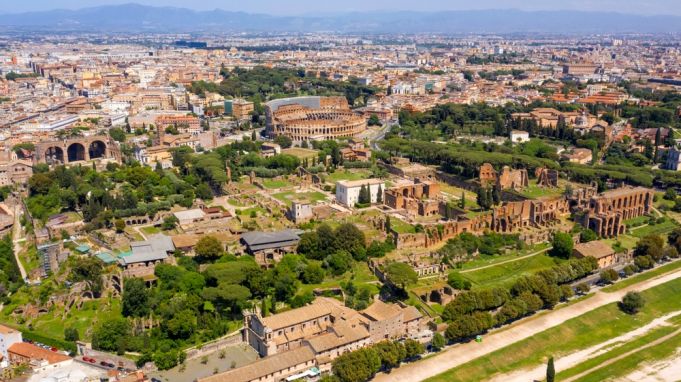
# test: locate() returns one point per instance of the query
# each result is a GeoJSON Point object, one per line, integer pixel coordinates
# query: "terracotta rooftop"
{"type": "Point", "coordinates": [7, 330]}
{"type": "Point", "coordinates": [379, 311]}
{"type": "Point", "coordinates": [34, 352]}
{"type": "Point", "coordinates": [265, 366]}
{"type": "Point", "coordinates": [319, 308]}
{"type": "Point", "coordinates": [595, 249]}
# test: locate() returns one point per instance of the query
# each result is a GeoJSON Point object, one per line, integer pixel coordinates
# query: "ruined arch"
{"type": "Point", "coordinates": [97, 149]}
{"type": "Point", "coordinates": [54, 155]}
{"type": "Point", "coordinates": [76, 152]}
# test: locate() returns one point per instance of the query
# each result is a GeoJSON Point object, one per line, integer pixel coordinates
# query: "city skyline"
{"type": "Point", "coordinates": [302, 7]}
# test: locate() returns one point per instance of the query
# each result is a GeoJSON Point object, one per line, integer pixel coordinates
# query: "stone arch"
{"type": "Point", "coordinates": [97, 149]}
{"type": "Point", "coordinates": [54, 155]}
{"type": "Point", "coordinates": [76, 152]}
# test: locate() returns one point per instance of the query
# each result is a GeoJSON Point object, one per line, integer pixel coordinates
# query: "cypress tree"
{"type": "Point", "coordinates": [550, 371]}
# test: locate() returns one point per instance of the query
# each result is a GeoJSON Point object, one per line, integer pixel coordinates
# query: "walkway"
{"type": "Point", "coordinates": [507, 261]}
{"type": "Point", "coordinates": [463, 353]}
{"type": "Point", "coordinates": [625, 355]}
{"type": "Point", "coordinates": [17, 239]}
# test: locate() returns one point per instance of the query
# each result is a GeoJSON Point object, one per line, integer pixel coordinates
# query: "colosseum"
{"type": "Point", "coordinates": [313, 118]}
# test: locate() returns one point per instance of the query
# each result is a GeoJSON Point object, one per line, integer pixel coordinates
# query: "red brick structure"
{"type": "Point", "coordinates": [607, 211]}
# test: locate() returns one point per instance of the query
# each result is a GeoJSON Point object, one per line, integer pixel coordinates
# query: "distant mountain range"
{"type": "Point", "coordinates": [136, 18]}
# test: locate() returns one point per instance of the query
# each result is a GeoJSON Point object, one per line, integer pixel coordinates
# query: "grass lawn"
{"type": "Point", "coordinates": [150, 230]}
{"type": "Point", "coordinates": [637, 221]}
{"type": "Point", "coordinates": [533, 191]}
{"type": "Point", "coordinates": [301, 153]}
{"type": "Point", "coordinates": [626, 241]}
{"type": "Point", "coordinates": [235, 203]}
{"type": "Point", "coordinates": [30, 258]}
{"type": "Point", "coordinates": [401, 227]}
{"type": "Point", "coordinates": [633, 361]}
{"type": "Point", "coordinates": [657, 229]}
{"type": "Point", "coordinates": [505, 274]}
{"type": "Point", "coordinates": [52, 323]}
{"type": "Point", "coordinates": [355, 174]}
{"type": "Point", "coordinates": [288, 196]}
{"type": "Point", "coordinates": [360, 275]}
{"type": "Point", "coordinates": [274, 184]}
{"type": "Point", "coordinates": [484, 260]}
{"type": "Point", "coordinates": [581, 332]}
{"type": "Point", "coordinates": [613, 353]}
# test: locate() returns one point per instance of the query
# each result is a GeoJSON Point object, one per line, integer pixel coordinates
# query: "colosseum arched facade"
{"type": "Point", "coordinates": [313, 118]}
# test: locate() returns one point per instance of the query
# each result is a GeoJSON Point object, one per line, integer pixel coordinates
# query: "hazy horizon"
{"type": "Point", "coordinates": [301, 7]}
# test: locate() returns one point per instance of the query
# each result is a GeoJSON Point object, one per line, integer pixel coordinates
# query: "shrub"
{"type": "Point", "coordinates": [632, 303]}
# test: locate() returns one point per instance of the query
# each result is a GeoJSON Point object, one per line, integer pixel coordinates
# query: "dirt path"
{"type": "Point", "coordinates": [613, 360]}
{"type": "Point", "coordinates": [571, 360]}
{"type": "Point", "coordinates": [462, 353]}
{"type": "Point", "coordinates": [657, 371]}
{"type": "Point", "coordinates": [17, 239]}
{"type": "Point", "coordinates": [507, 261]}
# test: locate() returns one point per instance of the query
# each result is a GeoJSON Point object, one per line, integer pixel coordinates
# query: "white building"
{"type": "Point", "coordinates": [8, 337]}
{"type": "Point", "coordinates": [347, 192]}
{"type": "Point", "coordinates": [519, 136]}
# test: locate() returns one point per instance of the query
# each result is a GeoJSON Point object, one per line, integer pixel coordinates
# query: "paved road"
{"type": "Point", "coordinates": [462, 353]}
{"type": "Point", "coordinates": [17, 239]}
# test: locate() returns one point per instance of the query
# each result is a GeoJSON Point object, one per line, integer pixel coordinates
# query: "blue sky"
{"type": "Point", "coordinates": [291, 7]}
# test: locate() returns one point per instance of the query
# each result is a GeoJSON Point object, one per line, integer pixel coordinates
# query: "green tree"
{"type": "Point", "coordinates": [587, 235]}
{"type": "Point", "coordinates": [413, 349]}
{"type": "Point", "coordinates": [71, 334]}
{"type": "Point", "coordinates": [550, 371]}
{"type": "Point", "coordinates": [400, 274]}
{"type": "Point", "coordinates": [609, 276]}
{"type": "Point", "coordinates": [169, 223]}
{"type": "Point", "coordinates": [391, 354]}
{"type": "Point", "coordinates": [283, 141]}
{"type": "Point", "coordinates": [120, 225]}
{"type": "Point", "coordinates": [135, 300]}
{"type": "Point", "coordinates": [456, 281]}
{"type": "Point", "coordinates": [379, 195]}
{"type": "Point", "coordinates": [438, 342]}
{"type": "Point", "coordinates": [632, 302]}
{"type": "Point", "coordinates": [357, 366]}
{"type": "Point", "coordinates": [89, 271]}
{"type": "Point", "coordinates": [313, 273]}
{"type": "Point", "coordinates": [562, 245]}
{"type": "Point", "coordinates": [110, 333]}
{"type": "Point", "coordinates": [374, 120]}
{"type": "Point", "coordinates": [209, 248]}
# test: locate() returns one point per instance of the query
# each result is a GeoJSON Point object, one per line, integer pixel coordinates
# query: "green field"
{"type": "Point", "coordinates": [288, 196]}
{"type": "Point", "coordinates": [588, 330]}
{"type": "Point", "coordinates": [356, 174]}
{"type": "Point", "coordinates": [657, 229]}
{"type": "Point", "coordinates": [401, 227]}
{"type": "Point", "coordinates": [505, 274]}
{"type": "Point", "coordinates": [533, 191]}
{"type": "Point", "coordinates": [617, 351]}
{"type": "Point", "coordinates": [485, 260]}
{"type": "Point", "coordinates": [634, 360]}
{"type": "Point", "coordinates": [52, 323]}
{"type": "Point", "coordinates": [360, 275]}
{"type": "Point", "coordinates": [150, 230]}
{"type": "Point", "coordinates": [273, 184]}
